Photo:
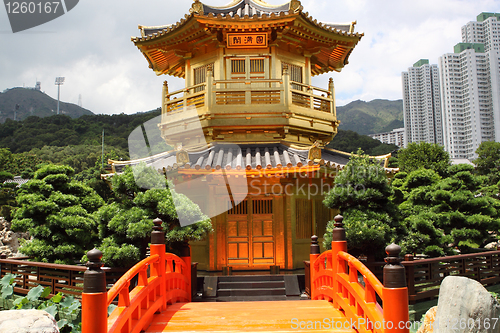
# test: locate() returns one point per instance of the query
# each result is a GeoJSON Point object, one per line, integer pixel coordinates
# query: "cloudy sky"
{"type": "Point", "coordinates": [91, 47]}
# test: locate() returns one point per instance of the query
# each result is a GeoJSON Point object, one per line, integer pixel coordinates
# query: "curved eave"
{"type": "Point", "coordinates": [339, 43]}
{"type": "Point", "coordinates": [168, 29]}
{"type": "Point", "coordinates": [163, 49]}
{"type": "Point", "coordinates": [159, 47]}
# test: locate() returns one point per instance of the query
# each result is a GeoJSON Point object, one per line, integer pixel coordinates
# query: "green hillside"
{"type": "Point", "coordinates": [38, 127]}
{"type": "Point", "coordinates": [376, 116]}
{"type": "Point", "coordinates": [61, 130]}
{"type": "Point", "coordinates": [349, 142]}
{"type": "Point", "coordinates": [34, 103]}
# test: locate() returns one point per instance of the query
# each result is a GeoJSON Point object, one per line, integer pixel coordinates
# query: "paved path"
{"type": "Point", "coordinates": [270, 316]}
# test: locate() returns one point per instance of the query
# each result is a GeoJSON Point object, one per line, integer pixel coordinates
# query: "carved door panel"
{"type": "Point", "coordinates": [262, 232]}
{"type": "Point", "coordinates": [238, 235]}
{"type": "Point", "coordinates": [238, 238]}
{"type": "Point", "coordinates": [262, 241]}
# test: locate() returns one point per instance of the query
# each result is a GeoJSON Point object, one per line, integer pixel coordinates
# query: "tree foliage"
{"type": "Point", "coordinates": [424, 155]}
{"type": "Point", "coordinates": [443, 214]}
{"type": "Point", "coordinates": [57, 213]}
{"type": "Point", "coordinates": [125, 225]}
{"type": "Point", "coordinates": [60, 131]}
{"type": "Point", "coordinates": [350, 141]}
{"type": "Point", "coordinates": [488, 161]}
{"type": "Point", "coordinates": [22, 164]}
{"type": "Point", "coordinates": [79, 157]}
{"type": "Point", "coordinates": [362, 194]}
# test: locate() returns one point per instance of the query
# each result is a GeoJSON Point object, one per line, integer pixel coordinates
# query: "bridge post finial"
{"type": "Point", "coordinates": [157, 235]}
{"type": "Point", "coordinates": [94, 296]}
{"type": "Point", "coordinates": [314, 245]}
{"type": "Point", "coordinates": [338, 233]}
{"type": "Point", "coordinates": [394, 272]}
{"type": "Point", "coordinates": [395, 290]}
{"type": "Point", "coordinates": [94, 278]}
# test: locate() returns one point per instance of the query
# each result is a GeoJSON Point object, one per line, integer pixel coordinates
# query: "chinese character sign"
{"type": "Point", "coordinates": [248, 40]}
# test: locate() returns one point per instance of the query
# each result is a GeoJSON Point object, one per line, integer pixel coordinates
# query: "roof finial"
{"type": "Point", "coordinates": [295, 5]}
{"type": "Point", "coordinates": [196, 7]}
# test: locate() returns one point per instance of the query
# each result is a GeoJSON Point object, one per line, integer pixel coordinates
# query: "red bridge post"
{"type": "Point", "coordinates": [186, 257]}
{"type": "Point", "coordinates": [313, 255]}
{"type": "Point", "coordinates": [339, 243]}
{"type": "Point", "coordinates": [396, 312]}
{"type": "Point", "coordinates": [158, 247]}
{"type": "Point", "coordinates": [94, 296]}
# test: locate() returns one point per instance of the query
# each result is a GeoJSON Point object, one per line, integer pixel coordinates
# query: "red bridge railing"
{"type": "Point", "coordinates": [162, 279]}
{"type": "Point", "coordinates": [368, 304]}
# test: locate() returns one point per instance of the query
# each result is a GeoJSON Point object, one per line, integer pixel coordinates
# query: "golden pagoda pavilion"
{"type": "Point", "coordinates": [249, 126]}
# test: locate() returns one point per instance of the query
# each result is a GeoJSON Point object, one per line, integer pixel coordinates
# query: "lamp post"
{"type": "Point", "coordinates": [59, 81]}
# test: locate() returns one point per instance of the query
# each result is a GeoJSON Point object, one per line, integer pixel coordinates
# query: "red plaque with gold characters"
{"type": "Point", "coordinates": [246, 40]}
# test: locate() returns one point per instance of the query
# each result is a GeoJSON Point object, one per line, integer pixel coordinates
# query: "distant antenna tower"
{"type": "Point", "coordinates": [80, 100]}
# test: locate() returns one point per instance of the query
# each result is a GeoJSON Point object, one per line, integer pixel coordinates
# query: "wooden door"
{"type": "Point", "coordinates": [250, 234]}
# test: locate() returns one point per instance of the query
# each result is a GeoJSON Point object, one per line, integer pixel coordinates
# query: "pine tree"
{"type": "Point", "coordinates": [125, 226]}
{"type": "Point", "coordinates": [362, 193]}
{"type": "Point", "coordinates": [423, 155]}
{"type": "Point", "coordinates": [446, 214]}
{"type": "Point", "coordinates": [57, 213]}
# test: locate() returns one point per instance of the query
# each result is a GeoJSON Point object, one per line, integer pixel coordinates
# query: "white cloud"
{"type": "Point", "coordinates": [91, 47]}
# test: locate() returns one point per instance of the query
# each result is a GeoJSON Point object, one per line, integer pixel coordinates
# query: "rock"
{"type": "Point", "coordinates": [9, 240]}
{"type": "Point", "coordinates": [429, 318]}
{"type": "Point", "coordinates": [27, 321]}
{"type": "Point", "coordinates": [464, 305]}
{"type": "Point", "coordinates": [491, 246]}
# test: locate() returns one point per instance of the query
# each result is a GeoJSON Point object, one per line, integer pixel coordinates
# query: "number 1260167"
{"type": "Point", "coordinates": [470, 323]}
{"type": "Point", "coordinates": [32, 7]}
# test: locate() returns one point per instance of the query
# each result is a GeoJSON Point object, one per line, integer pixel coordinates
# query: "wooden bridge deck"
{"type": "Point", "coordinates": [271, 316]}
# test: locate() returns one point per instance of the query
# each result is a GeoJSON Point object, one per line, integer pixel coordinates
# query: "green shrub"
{"type": "Point", "coordinates": [65, 309]}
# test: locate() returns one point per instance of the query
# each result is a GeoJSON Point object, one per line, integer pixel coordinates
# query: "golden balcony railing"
{"type": "Point", "coordinates": [217, 95]}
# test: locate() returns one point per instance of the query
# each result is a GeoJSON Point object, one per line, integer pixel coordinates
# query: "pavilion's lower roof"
{"type": "Point", "coordinates": [241, 157]}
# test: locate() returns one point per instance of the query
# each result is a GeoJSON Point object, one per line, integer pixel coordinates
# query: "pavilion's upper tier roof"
{"type": "Point", "coordinates": [330, 43]}
{"type": "Point", "coordinates": [242, 8]}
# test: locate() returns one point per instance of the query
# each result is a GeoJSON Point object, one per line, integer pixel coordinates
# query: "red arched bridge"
{"type": "Point", "coordinates": [341, 301]}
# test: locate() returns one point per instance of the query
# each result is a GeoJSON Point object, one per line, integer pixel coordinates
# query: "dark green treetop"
{"type": "Point", "coordinates": [362, 194]}
{"type": "Point", "coordinates": [57, 213]}
{"type": "Point", "coordinates": [424, 155]}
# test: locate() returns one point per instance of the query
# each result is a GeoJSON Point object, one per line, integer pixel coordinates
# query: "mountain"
{"type": "Point", "coordinates": [372, 117]}
{"type": "Point", "coordinates": [34, 103]}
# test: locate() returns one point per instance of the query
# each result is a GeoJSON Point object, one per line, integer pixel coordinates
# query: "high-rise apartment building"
{"type": "Point", "coordinates": [394, 137]}
{"type": "Point", "coordinates": [421, 104]}
{"type": "Point", "coordinates": [470, 91]}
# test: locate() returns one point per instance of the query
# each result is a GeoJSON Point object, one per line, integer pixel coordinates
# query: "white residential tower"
{"type": "Point", "coordinates": [470, 88]}
{"type": "Point", "coordinates": [421, 104]}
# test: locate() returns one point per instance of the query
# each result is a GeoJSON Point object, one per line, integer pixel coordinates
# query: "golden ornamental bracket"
{"type": "Point", "coordinates": [314, 152]}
